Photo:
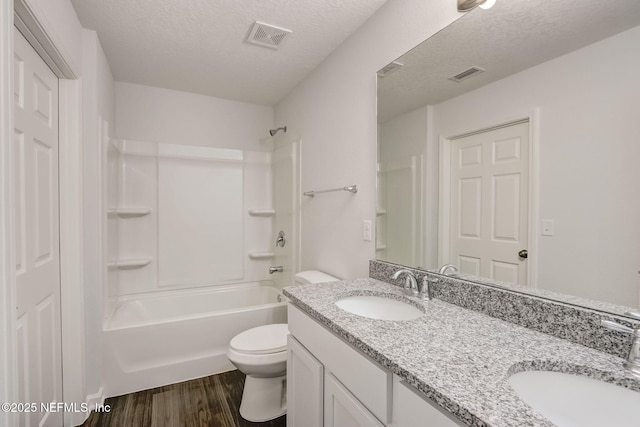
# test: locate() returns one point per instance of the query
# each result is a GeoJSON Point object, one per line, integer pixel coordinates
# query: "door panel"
{"type": "Point", "coordinates": [37, 233]}
{"type": "Point", "coordinates": [342, 409]}
{"type": "Point", "coordinates": [470, 212]}
{"type": "Point", "coordinates": [506, 207]}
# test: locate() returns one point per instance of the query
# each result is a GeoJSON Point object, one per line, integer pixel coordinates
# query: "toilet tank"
{"type": "Point", "coordinates": [313, 276]}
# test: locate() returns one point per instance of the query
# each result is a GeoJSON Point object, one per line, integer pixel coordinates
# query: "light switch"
{"type": "Point", "coordinates": [366, 230]}
{"type": "Point", "coordinates": [547, 227]}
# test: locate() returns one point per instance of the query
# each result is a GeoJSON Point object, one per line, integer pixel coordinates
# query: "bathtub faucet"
{"type": "Point", "coordinates": [277, 269]}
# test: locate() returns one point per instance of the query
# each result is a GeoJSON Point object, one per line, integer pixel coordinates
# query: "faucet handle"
{"type": "Point", "coordinates": [425, 288]}
{"type": "Point", "coordinates": [615, 326]}
{"type": "Point", "coordinates": [633, 359]}
{"type": "Point", "coordinates": [634, 314]}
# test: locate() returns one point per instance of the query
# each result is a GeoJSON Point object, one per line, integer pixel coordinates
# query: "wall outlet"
{"type": "Point", "coordinates": [366, 230]}
{"type": "Point", "coordinates": [547, 227]}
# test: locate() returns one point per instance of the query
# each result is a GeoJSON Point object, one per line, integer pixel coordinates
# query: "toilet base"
{"type": "Point", "coordinates": [264, 399]}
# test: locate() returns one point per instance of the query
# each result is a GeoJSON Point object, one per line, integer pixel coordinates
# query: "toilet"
{"type": "Point", "coordinates": [261, 354]}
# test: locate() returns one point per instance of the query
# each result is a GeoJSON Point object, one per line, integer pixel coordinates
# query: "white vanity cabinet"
{"type": "Point", "coordinates": [331, 384]}
{"type": "Point", "coordinates": [356, 391]}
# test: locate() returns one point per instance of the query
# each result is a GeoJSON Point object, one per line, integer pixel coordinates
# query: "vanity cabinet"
{"type": "Point", "coordinates": [356, 391]}
{"type": "Point", "coordinates": [331, 384]}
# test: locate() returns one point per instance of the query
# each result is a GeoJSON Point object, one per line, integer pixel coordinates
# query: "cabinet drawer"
{"type": "Point", "coordinates": [370, 383]}
{"type": "Point", "coordinates": [411, 408]}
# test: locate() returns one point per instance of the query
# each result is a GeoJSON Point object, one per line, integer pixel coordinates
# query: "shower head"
{"type": "Point", "coordinates": [272, 132]}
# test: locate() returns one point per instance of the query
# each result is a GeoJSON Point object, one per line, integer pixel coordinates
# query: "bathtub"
{"type": "Point", "coordinates": [168, 337]}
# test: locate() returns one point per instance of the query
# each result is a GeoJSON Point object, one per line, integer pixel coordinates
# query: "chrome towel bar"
{"type": "Point", "coordinates": [351, 188]}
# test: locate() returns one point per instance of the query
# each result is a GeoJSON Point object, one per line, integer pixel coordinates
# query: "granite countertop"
{"type": "Point", "coordinates": [459, 358]}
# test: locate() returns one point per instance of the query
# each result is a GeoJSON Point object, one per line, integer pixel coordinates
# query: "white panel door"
{"type": "Point", "coordinates": [37, 233]}
{"type": "Point", "coordinates": [489, 203]}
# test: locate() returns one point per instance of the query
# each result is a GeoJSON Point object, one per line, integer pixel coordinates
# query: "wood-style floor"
{"type": "Point", "coordinates": [210, 401]}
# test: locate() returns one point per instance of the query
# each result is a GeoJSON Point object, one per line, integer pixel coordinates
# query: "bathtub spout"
{"type": "Point", "coordinates": [275, 269]}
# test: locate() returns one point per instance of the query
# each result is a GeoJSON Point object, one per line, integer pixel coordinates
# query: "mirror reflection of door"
{"type": "Point", "coordinates": [488, 203]}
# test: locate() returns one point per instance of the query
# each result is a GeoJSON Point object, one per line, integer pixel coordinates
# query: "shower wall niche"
{"type": "Point", "coordinates": [184, 216]}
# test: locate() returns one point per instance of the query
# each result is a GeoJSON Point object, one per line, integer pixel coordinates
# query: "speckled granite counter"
{"type": "Point", "coordinates": [459, 358]}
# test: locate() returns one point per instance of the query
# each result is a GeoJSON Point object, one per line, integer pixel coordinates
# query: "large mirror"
{"type": "Point", "coordinates": [524, 170]}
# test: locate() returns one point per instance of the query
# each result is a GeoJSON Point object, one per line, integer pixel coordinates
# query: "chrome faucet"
{"type": "Point", "coordinates": [277, 269]}
{"type": "Point", "coordinates": [410, 282]}
{"type": "Point", "coordinates": [281, 239]}
{"type": "Point", "coordinates": [633, 359]}
{"type": "Point", "coordinates": [446, 268]}
{"type": "Point", "coordinates": [424, 289]}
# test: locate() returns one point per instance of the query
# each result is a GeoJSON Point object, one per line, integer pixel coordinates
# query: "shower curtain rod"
{"type": "Point", "coordinates": [350, 188]}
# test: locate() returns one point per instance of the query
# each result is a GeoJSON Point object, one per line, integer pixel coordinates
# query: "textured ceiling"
{"type": "Point", "coordinates": [510, 37]}
{"type": "Point", "coordinates": [198, 45]}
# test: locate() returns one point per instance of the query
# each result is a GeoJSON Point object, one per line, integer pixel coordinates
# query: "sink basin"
{"type": "Point", "coordinates": [379, 307]}
{"type": "Point", "coordinates": [577, 401]}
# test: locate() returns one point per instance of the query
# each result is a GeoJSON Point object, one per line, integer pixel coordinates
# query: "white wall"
{"type": "Point", "coordinates": [588, 133]}
{"type": "Point", "coordinates": [333, 112]}
{"type": "Point", "coordinates": [147, 113]}
{"type": "Point", "coordinates": [98, 117]}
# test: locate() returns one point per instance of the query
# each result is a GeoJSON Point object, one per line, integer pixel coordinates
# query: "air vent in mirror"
{"type": "Point", "coordinates": [467, 74]}
{"type": "Point", "coordinates": [389, 68]}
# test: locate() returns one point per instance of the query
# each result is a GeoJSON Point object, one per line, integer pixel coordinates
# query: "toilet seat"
{"type": "Point", "coordinates": [266, 339]}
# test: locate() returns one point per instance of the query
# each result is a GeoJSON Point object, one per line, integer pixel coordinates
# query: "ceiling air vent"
{"type": "Point", "coordinates": [389, 68]}
{"type": "Point", "coordinates": [467, 74]}
{"type": "Point", "coordinates": [267, 35]}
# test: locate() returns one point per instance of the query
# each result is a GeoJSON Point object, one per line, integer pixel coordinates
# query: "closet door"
{"type": "Point", "coordinates": [36, 232]}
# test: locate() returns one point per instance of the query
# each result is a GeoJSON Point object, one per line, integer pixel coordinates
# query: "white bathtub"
{"type": "Point", "coordinates": [168, 337]}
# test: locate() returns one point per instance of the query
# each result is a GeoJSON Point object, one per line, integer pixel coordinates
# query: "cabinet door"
{"type": "Point", "coordinates": [342, 409]}
{"type": "Point", "coordinates": [304, 387]}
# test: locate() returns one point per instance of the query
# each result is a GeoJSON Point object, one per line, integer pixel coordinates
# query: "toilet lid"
{"type": "Point", "coordinates": [261, 340]}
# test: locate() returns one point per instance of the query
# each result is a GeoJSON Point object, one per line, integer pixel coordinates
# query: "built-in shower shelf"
{"type": "Point", "coordinates": [128, 212]}
{"type": "Point", "coordinates": [129, 263]}
{"type": "Point", "coordinates": [261, 255]}
{"type": "Point", "coordinates": [381, 247]}
{"type": "Point", "coordinates": [262, 212]}
{"type": "Point", "coordinates": [381, 211]}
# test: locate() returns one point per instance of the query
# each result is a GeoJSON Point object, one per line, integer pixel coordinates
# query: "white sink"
{"type": "Point", "coordinates": [577, 401]}
{"type": "Point", "coordinates": [379, 307]}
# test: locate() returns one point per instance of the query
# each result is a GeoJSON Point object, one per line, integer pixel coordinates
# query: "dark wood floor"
{"type": "Point", "coordinates": [210, 401]}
